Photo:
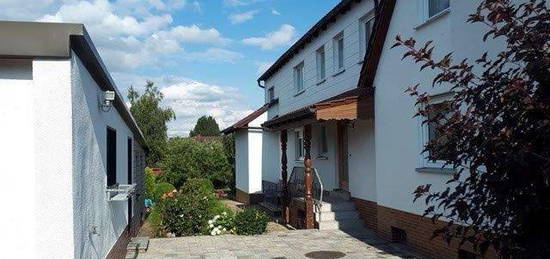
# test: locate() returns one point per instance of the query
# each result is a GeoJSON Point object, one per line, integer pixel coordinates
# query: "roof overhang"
{"type": "Point", "coordinates": [56, 40]}
{"type": "Point", "coordinates": [354, 104]}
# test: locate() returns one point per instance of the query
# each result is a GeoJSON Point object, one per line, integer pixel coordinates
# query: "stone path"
{"type": "Point", "coordinates": [279, 245]}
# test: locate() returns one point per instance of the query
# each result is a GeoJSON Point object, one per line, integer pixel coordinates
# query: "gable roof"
{"type": "Point", "coordinates": [56, 40]}
{"type": "Point", "coordinates": [330, 17]}
{"type": "Point", "coordinates": [243, 123]}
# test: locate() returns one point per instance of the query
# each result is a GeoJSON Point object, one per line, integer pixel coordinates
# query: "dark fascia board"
{"type": "Point", "coordinates": [55, 40]}
{"type": "Point", "coordinates": [322, 25]}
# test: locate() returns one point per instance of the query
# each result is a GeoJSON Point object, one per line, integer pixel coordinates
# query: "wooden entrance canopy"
{"type": "Point", "coordinates": [357, 103]}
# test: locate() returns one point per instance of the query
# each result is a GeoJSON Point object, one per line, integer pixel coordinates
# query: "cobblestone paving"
{"type": "Point", "coordinates": [279, 245]}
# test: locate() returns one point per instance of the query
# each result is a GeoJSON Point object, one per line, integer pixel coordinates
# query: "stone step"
{"type": "Point", "coordinates": [339, 215]}
{"type": "Point", "coordinates": [341, 224]}
{"type": "Point", "coordinates": [140, 244]}
{"type": "Point", "coordinates": [338, 206]}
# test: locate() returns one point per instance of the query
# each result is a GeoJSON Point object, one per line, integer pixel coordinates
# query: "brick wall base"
{"type": "Point", "coordinates": [418, 229]}
{"type": "Point", "coordinates": [248, 198]}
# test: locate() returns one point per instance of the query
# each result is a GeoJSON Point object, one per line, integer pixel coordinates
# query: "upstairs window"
{"type": "Point", "coordinates": [365, 31]}
{"type": "Point", "coordinates": [271, 94]}
{"type": "Point", "coordinates": [442, 109]}
{"type": "Point", "coordinates": [437, 6]}
{"type": "Point", "coordinates": [299, 78]}
{"type": "Point", "coordinates": [321, 71]}
{"type": "Point", "coordinates": [338, 43]}
{"type": "Point", "coordinates": [111, 157]}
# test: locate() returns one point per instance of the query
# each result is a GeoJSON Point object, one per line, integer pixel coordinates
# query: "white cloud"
{"type": "Point", "coordinates": [238, 18]}
{"type": "Point", "coordinates": [193, 34]}
{"type": "Point", "coordinates": [264, 66]}
{"type": "Point", "coordinates": [235, 2]}
{"type": "Point", "coordinates": [281, 37]}
{"type": "Point", "coordinates": [215, 55]}
{"type": "Point", "coordinates": [275, 12]}
{"type": "Point", "coordinates": [192, 99]}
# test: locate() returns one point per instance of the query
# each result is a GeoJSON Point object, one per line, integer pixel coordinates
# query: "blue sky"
{"type": "Point", "coordinates": [205, 56]}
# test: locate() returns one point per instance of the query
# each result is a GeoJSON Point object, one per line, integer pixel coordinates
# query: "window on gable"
{"type": "Point", "coordinates": [338, 49]}
{"type": "Point", "coordinates": [299, 145]}
{"type": "Point", "coordinates": [365, 31]}
{"type": "Point", "coordinates": [323, 147]}
{"type": "Point", "coordinates": [299, 77]}
{"type": "Point", "coordinates": [321, 71]}
{"type": "Point", "coordinates": [111, 157]}
{"type": "Point", "coordinates": [271, 93]}
{"type": "Point", "coordinates": [437, 6]}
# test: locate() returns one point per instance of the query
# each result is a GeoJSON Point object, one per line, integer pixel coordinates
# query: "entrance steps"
{"type": "Point", "coordinates": [338, 212]}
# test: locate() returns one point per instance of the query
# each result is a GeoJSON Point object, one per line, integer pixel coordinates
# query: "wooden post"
{"type": "Point", "coordinates": [284, 175]}
{"type": "Point", "coordinates": [308, 179]}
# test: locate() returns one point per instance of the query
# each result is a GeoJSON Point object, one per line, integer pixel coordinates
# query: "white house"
{"type": "Point", "coordinates": [73, 156]}
{"type": "Point", "coordinates": [342, 118]}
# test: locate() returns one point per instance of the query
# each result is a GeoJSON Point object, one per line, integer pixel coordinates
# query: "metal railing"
{"type": "Point", "coordinates": [296, 187]}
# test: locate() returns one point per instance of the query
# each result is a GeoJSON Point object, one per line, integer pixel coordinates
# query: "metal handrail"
{"type": "Point", "coordinates": [296, 187]}
{"type": "Point", "coordinates": [320, 203]}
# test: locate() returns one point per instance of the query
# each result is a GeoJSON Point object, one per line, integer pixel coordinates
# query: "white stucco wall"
{"type": "Point", "coordinates": [89, 167]}
{"type": "Point", "coordinates": [283, 81]}
{"type": "Point", "coordinates": [255, 140]}
{"type": "Point", "coordinates": [362, 163]}
{"type": "Point", "coordinates": [241, 160]}
{"type": "Point", "coordinates": [271, 156]}
{"type": "Point", "coordinates": [397, 134]}
{"type": "Point", "coordinates": [17, 155]}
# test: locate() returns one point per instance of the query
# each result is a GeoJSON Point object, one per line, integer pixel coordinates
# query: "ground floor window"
{"type": "Point", "coordinates": [299, 146]}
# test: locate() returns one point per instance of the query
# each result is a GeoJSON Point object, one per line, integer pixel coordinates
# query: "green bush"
{"type": "Point", "coordinates": [160, 189]}
{"type": "Point", "coordinates": [187, 212]}
{"type": "Point", "coordinates": [155, 219]}
{"type": "Point", "coordinates": [251, 222]}
{"type": "Point", "coordinates": [186, 158]}
{"type": "Point", "coordinates": [149, 183]}
{"type": "Point", "coordinates": [222, 223]}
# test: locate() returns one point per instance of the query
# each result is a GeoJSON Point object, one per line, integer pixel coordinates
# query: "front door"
{"type": "Point", "coordinates": [342, 139]}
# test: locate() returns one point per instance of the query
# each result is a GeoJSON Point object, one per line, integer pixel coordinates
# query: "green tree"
{"type": "Point", "coordinates": [151, 118]}
{"type": "Point", "coordinates": [206, 126]}
{"type": "Point", "coordinates": [186, 158]}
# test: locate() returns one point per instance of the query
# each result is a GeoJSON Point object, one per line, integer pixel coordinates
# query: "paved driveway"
{"type": "Point", "coordinates": [289, 244]}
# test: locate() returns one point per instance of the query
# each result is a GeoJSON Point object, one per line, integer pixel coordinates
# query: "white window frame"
{"type": "Point", "coordinates": [271, 94]}
{"type": "Point", "coordinates": [363, 40]}
{"type": "Point", "coordinates": [321, 61]}
{"type": "Point", "coordinates": [336, 54]}
{"type": "Point", "coordinates": [424, 161]}
{"type": "Point", "coordinates": [425, 12]}
{"type": "Point", "coordinates": [299, 78]}
{"type": "Point", "coordinates": [299, 145]}
{"type": "Point", "coordinates": [323, 141]}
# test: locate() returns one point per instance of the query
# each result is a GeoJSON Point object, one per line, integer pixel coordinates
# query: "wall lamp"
{"type": "Point", "coordinates": [106, 102]}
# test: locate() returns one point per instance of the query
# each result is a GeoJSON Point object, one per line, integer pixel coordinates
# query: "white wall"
{"type": "Point", "coordinates": [283, 79]}
{"type": "Point", "coordinates": [362, 163]}
{"type": "Point", "coordinates": [89, 167]}
{"type": "Point", "coordinates": [397, 134]}
{"type": "Point", "coordinates": [17, 220]}
{"type": "Point", "coordinates": [255, 160]}
{"type": "Point", "coordinates": [271, 156]}
{"type": "Point", "coordinates": [241, 159]}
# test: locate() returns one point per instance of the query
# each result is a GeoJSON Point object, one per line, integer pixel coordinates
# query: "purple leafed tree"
{"type": "Point", "coordinates": [494, 132]}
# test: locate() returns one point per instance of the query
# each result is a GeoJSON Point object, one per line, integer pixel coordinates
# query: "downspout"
{"type": "Point", "coordinates": [260, 84]}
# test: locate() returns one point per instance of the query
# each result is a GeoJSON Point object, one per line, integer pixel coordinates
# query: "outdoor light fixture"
{"type": "Point", "coordinates": [106, 103]}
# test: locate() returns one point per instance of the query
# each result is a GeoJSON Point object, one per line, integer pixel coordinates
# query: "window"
{"type": "Point", "coordinates": [111, 157]}
{"type": "Point", "coordinates": [437, 6]}
{"type": "Point", "coordinates": [323, 147]}
{"type": "Point", "coordinates": [442, 110]}
{"type": "Point", "coordinates": [365, 30]}
{"type": "Point", "coordinates": [299, 77]}
{"type": "Point", "coordinates": [299, 145]}
{"type": "Point", "coordinates": [271, 93]}
{"type": "Point", "coordinates": [338, 52]}
{"type": "Point", "coordinates": [321, 71]}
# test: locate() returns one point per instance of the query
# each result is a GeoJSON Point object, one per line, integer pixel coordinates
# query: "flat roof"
{"type": "Point", "coordinates": [56, 40]}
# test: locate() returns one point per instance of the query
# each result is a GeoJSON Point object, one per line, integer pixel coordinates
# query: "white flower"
{"type": "Point", "coordinates": [210, 222]}
{"type": "Point", "coordinates": [224, 213]}
{"type": "Point", "coordinates": [211, 225]}
{"type": "Point", "coordinates": [224, 229]}
{"type": "Point", "coordinates": [216, 217]}
{"type": "Point", "coordinates": [213, 233]}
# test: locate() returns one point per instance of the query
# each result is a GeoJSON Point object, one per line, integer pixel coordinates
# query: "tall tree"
{"type": "Point", "coordinates": [151, 118]}
{"type": "Point", "coordinates": [206, 126]}
{"type": "Point", "coordinates": [495, 133]}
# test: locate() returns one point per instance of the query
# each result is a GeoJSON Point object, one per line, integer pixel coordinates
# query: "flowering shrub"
{"type": "Point", "coordinates": [251, 222]}
{"type": "Point", "coordinates": [221, 224]}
